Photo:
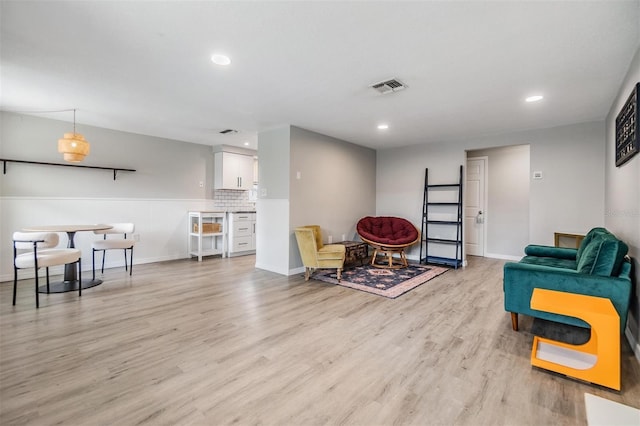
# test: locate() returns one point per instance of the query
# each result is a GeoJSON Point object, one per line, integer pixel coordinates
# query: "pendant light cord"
{"type": "Point", "coordinates": [48, 112]}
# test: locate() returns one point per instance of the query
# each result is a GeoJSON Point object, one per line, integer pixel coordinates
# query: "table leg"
{"type": "Point", "coordinates": [71, 269]}
{"type": "Point", "coordinates": [70, 282]}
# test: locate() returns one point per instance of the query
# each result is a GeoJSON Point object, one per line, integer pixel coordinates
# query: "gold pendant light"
{"type": "Point", "coordinates": [73, 145]}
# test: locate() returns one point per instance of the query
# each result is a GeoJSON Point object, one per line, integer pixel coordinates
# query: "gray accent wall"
{"type": "Point", "coordinates": [273, 154]}
{"type": "Point", "coordinates": [622, 198]}
{"type": "Point", "coordinates": [333, 184]}
{"type": "Point", "coordinates": [164, 168]}
{"type": "Point", "coordinates": [309, 179]}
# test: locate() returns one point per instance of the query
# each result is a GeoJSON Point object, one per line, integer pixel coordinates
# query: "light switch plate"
{"type": "Point", "coordinates": [537, 175]}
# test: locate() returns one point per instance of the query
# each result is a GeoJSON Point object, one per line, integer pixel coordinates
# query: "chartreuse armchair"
{"type": "Point", "coordinates": [315, 254]}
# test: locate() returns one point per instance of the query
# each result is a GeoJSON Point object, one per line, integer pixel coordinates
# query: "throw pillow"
{"type": "Point", "coordinates": [587, 239]}
{"type": "Point", "coordinates": [603, 256]}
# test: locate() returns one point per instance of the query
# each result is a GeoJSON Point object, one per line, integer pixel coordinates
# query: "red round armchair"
{"type": "Point", "coordinates": [388, 235]}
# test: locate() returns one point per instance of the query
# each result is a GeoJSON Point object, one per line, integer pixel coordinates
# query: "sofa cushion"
{"type": "Point", "coordinates": [547, 251]}
{"type": "Point", "coordinates": [603, 256]}
{"type": "Point", "coordinates": [553, 262]}
{"type": "Point", "coordinates": [588, 238]}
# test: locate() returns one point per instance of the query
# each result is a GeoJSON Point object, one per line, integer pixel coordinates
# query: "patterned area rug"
{"type": "Point", "coordinates": [389, 283]}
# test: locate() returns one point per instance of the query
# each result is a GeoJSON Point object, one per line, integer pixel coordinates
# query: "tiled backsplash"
{"type": "Point", "coordinates": [234, 200]}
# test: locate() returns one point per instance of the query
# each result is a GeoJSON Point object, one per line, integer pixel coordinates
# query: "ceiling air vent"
{"type": "Point", "coordinates": [388, 86]}
{"type": "Point", "coordinates": [229, 132]}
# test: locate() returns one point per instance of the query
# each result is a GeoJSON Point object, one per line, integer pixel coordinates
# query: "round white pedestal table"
{"type": "Point", "coordinates": [70, 282]}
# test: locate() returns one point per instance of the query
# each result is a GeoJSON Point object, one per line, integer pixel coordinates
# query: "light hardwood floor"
{"type": "Point", "coordinates": [221, 342]}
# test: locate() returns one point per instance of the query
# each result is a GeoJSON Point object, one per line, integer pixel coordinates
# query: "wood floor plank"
{"type": "Point", "coordinates": [220, 342]}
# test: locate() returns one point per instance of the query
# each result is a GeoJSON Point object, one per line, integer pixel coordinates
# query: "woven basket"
{"type": "Point", "coordinates": [208, 228]}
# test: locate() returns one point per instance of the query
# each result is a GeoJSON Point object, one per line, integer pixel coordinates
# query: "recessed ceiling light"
{"type": "Point", "coordinates": [383, 126]}
{"type": "Point", "coordinates": [220, 59]}
{"type": "Point", "coordinates": [246, 144]}
{"type": "Point", "coordinates": [534, 98]}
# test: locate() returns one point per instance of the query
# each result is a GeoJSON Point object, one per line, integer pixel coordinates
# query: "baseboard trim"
{"type": "Point", "coordinates": [271, 268]}
{"type": "Point", "coordinates": [635, 345]}
{"type": "Point", "coordinates": [296, 271]}
{"type": "Point", "coordinates": [503, 256]}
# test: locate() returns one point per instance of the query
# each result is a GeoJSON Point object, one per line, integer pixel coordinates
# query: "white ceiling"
{"type": "Point", "coordinates": [145, 67]}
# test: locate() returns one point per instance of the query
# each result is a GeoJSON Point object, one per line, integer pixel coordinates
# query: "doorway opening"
{"type": "Point", "coordinates": [496, 205]}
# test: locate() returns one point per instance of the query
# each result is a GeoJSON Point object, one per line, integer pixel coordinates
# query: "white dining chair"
{"type": "Point", "coordinates": [35, 250]}
{"type": "Point", "coordinates": [114, 243]}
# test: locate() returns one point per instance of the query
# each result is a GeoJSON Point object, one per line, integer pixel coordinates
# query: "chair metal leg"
{"type": "Point", "coordinates": [131, 264]}
{"type": "Point", "coordinates": [125, 259]}
{"type": "Point", "coordinates": [93, 262]}
{"type": "Point", "coordinates": [104, 253]}
{"type": "Point", "coordinates": [37, 295]}
{"type": "Point", "coordinates": [48, 291]}
{"type": "Point", "coordinates": [79, 276]}
{"type": "Point", "coordinates": [15, 284]}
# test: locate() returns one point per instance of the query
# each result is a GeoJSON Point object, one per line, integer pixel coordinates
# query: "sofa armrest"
{"type": "Point", "coordinates": [548, 251]}
{"type": "Point", "coordinates": [520, 279]}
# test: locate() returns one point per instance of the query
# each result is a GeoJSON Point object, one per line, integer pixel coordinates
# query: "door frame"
{"type": "Point", "coordinates": [485, 223]}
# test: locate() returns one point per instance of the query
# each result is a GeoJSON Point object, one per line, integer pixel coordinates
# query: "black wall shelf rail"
{"type": "Point", "coordinates": [114, 169]}
{"type": "Point", "coordinates": [427, 241]}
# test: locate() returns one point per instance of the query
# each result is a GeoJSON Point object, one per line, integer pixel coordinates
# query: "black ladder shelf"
{"type": "Point", "coordinates": [427, 241]}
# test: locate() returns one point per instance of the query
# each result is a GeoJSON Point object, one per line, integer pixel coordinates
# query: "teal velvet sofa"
{"type": "Point", "coordinates": [599, 268]}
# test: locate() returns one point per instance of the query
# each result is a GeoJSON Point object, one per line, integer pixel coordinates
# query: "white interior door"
{"type": "Point", "coordinates": [475, 209]}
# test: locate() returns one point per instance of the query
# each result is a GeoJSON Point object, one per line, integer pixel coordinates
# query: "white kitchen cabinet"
{"type": "Point", "coordinates": [242, 233]}
{"type": "Point", "coordinates": [207, 233]}
{"type": "Point", "coordinates": [233, 171]}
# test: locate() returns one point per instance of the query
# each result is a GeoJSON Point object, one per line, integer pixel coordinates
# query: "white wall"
{"type": "Point", "coordinates": [272, 224]}
{"type": "Point", "coordinates": [507, 204]}
{"type": "Point", "coordinates": [156, 197]}
{"type": "Point", "coordinates": [161, 224]}
{"type": "Point", "coordinates": [622, 198]}
{"type": "Point", "coordinates": [570, 196]}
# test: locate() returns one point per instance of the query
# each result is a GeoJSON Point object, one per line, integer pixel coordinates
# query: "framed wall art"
{"type": "Point", "coordinates": [627, 130]}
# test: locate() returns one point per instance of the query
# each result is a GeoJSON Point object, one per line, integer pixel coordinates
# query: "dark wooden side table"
{"type": "Point", "coordinates": [355, 251]}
